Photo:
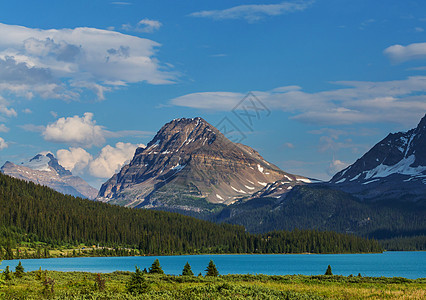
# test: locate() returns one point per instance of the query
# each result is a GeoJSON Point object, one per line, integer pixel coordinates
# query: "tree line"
{"type": "Point", "coordinates": [30, 212]}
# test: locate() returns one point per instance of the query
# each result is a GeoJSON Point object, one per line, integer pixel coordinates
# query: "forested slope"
{"type": "Point", "coordinates": [56, 218]}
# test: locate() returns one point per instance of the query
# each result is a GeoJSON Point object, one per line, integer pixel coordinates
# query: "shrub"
{"type": "Point", "coordinates": [100, 282]}
{"type": "Point", "coordinates": [328, 271]}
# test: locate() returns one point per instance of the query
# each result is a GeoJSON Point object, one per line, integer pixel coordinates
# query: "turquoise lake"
{"type": "Point", "coordinates": [389, 264]}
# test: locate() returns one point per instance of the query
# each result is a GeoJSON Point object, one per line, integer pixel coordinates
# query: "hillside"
{"type": "Point", "coordinates": [56, 218]}
{"type": "Point", "coordinates": [397, 225]}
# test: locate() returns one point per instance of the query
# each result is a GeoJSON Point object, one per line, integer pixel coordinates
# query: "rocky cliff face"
{"type": "Point", "coordinates": [395, 166]}
{"type": "Point", "coordinates": [189, 165]}
{"type": "Point", "coordinates": [44, 169]}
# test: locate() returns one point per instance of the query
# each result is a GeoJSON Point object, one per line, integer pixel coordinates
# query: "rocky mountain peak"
{"type": "Point", "coordinates": [397, 161]}
{"type": "Point", "coordinates": [183, 133]}
{"type": "Point", "coordinates": [189, 162]}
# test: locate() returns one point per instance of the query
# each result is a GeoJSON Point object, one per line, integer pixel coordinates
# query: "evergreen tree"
{"type": "Point", "coordinates": [39, 274]}
{"type": "Point", "coordinates": [19, 270]}
{"type": "Point", "coordinates": [156, 268]}
{"type": "Point", "coordinates": [7, 274]}
{"type": "Point", "coordinates": [187, 270]}
{"type": "Point", "coordinates": [328, 271]}
{"type": "Point", "coordinates": [1, 279]}
{"type": "Point", "coordinates": [137, 283]}
{"type": "Point", "coordinates": [211, 269]}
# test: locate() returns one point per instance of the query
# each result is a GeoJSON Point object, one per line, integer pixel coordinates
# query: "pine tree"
{"type": "Point", "coordinates": [211, 269]}
{"type": "Point", "coordinates": [1, 279]}
{"type": "Point", "coordinates": [7, 274]}
{"type": "Point", "coordinates": [19, 270]}
{"type": "Point", "coordinates": [328, 272]}
{"type": "Point", "coordinates": [156, 268]}
{"type": "Point", "coordinates": [137, 283]}
{"type": "Point", "coordinates": [187, 270]}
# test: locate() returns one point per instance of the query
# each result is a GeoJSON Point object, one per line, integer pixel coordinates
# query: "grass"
{"type": "Point", "coordinates": [82, 285]}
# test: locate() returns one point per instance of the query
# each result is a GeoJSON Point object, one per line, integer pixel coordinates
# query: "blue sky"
{"type": "Point", "coordinates": [90, 80]}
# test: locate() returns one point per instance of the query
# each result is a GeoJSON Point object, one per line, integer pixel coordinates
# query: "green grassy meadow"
{"type": "Point", "coordinates": [83, 285]}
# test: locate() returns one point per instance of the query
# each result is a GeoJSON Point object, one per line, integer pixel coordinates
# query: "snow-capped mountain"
{"type": "Point", "coordinates": [190, 165]}
{"type": "Point", "coordinates": [45, 169]}
{"type": "Point", "coordinates": [395, 165]}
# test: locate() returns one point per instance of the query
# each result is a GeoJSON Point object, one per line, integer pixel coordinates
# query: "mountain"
{"type": "Point", "coordinates": [394, 168]}
{"type": "Point", "coordinates": [44, 169]}
{"type": "Point", "coordinates": [382, 195]}
{"type": "Point", "coordinates": [190, 166]}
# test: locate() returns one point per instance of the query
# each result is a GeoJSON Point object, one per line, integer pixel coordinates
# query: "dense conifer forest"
{"type": "Point", "coordinates": [31, 213]}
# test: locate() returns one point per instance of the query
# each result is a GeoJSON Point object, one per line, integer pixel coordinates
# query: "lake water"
{"type": "Point", "coordinates": [388, 264]}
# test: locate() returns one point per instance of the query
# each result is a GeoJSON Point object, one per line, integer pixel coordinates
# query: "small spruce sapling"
{"type": "Point", "coordinates": [328, 271]}
{"type": "Point", "coordinates": [7, 274]}
{"type": "Point", "coordinates": [19, 270]}
{"type": "Point", "coordinates": [187, 270]}
{"type": "Point", "coordinates": [137, 283]}
{"type": "Point", "coordinates": [156, 268]}
{"type": "Point", "coordinates": [211, 270]}
{"type": "Point", "coordinates": [1, 280]}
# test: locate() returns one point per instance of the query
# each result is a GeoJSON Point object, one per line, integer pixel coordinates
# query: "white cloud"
{"type": "Point", "coordinates": [111, 159]}
{"type": "Point", "coordinates": [336, 166]}
{"type": "Point", "coordinates": [121, 3]}
{"type": "Point", "coordinates": [27, 111]}
{"type": "Point", "coordinates": [288, 145]}
{"type": "Point", "coordinates": [144, 25]}
{"type": "Point", "coordinates": [3, 128]}
{"type": "Point", "coordinates": [3, 144]}
{"type": "Point", "coordinates": [418, 29]}
{"type": "Point", "coordinates": [74, 159]}
{"type": "Point", "coordinates": [366, 23]}
{"type": "Point", "coordinates": [209, 100]}
{"type": "Point", "coordinates": [401, 101]}
{"type": "Point", "coordinates": [9, 112]}
{"type": "Point", "coordinates": [254, 12]}
{"type": "Point", "coordinates": [32, 127]}
{"type": "Point", "coordinates": [76, 131]}
{"type": "Point", "coordinates": [64, 63]}
{"type": "Point", "coordinates": [399, 53]}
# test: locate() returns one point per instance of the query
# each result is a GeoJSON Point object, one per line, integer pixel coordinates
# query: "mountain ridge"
{"type": "Point", "coordinates": [44, 169]}
{"type": "Point", "coordinates": [394, 166]}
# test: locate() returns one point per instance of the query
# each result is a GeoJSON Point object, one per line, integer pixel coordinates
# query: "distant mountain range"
{"type": "Point", "coordinates": [44, 169]}
{"type": "Point", "coordinates": [381, 195]}
{"type": "Point", "coordinates": [190, 166]}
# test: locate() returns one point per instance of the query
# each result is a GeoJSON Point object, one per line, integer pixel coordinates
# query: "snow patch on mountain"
{"type": "Point", "coordinates": [403, 167]}
{"type": "Point", "coordinates": [39, 163]}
